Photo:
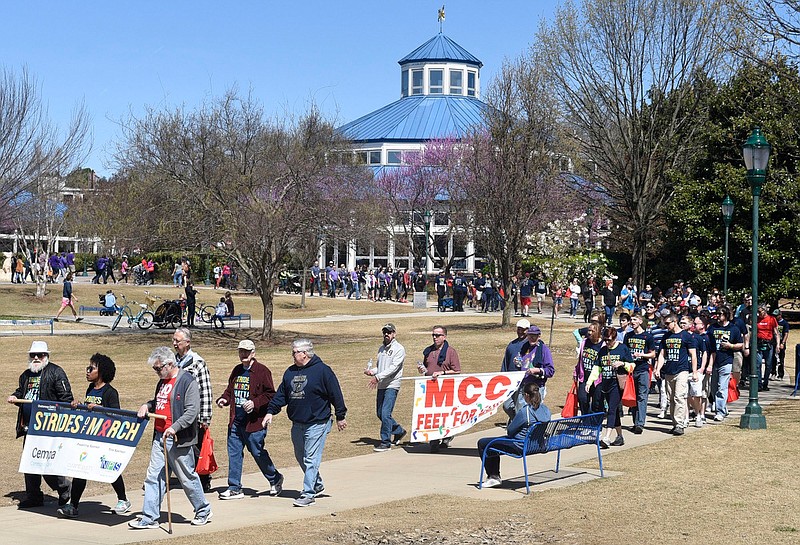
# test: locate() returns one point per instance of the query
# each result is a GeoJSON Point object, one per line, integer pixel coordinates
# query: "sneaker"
{"type": "Point", "coordinates": [699, 421]}
{"type": "Point", "coordinates": [277, 488]}
{"type": "Point", "coordinates": [122, 507]}
{"type": "Point", "coordinates": [637, 430]}
{"type": "Point", "coordinates": [231, 495]}
{"type": "Point", "coordinates": [55, 319]}
{"type": "Point", "coordinates": [202, 520]}
{"type": "Point", "coordinates": [304, 501]}
{"type": "Point", "coordinates": [662, 414]}
{"type": "Point", "coordinates": [79, 318]}
{"type": "Point", "coordinates": [678, 431]}
{"type": "Point", "coordinates": [399, 437]}
{"type": "Point", "coordinates": [603, 444]}
{"type": "Point", "coordinates": [318, 490]}
{"type": "Point", "coordinates": [492, 482]}
{"type": "Point", "coordinates": [618, 442]}
{"type": "Point", "coordinates": [446, 442]}
{"type": "Point", "coordinates": [68, 511]}
{"type": "Point", "coordinates": [30, 502]}
{"type": "Point", "coordinates": [383, 447]}
{"type": "Point", "coordinates": [719, 417]}
{"type": "Point", "coordinates": [142, 524]}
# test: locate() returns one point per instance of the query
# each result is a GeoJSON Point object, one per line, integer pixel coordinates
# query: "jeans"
{"type": "Point", "coordinates": [492, 466]}
{"type": "Point", "coordinates": [677, 391]}
{"type": "Point", "coordinates": [765, 357]}
{"type": "Point", "coordinates": [238, 439]}
{"type": "Point", "coordinates": [720, 378]}
{"type": "Point", "coordinates": [385, 405]}
{"type": "Point", "coordinates": [308, 441]}
{"type": "Point", "coordinates": [609, 314]}
{"type": "Point", "coordinates": [573, 307]}
{"type": "Point", "coordinates": [316, 283]}
{"type": "Point", "coordinates": [642, 380]}
{"type": "Point", "coordinates": [181, 462]}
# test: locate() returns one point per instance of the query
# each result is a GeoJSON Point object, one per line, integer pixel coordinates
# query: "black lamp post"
{"type": "Point", "coordinates": [727, 217]}
{"type": "Point", "coordinates": [756, 156]}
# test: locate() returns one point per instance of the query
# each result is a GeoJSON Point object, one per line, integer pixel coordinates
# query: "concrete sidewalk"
{"type": "Point", "coordinates": [361, 481]}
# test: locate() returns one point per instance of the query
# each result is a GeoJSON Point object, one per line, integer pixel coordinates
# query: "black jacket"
{"type": "Point", "coordinates": [53, 386]}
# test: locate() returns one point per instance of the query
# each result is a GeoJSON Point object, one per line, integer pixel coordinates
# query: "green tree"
{"type": "Point", "coordinates": [759, 94]}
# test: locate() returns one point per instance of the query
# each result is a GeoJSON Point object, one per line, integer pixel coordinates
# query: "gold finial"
{"type": "Point", "coordinates": [441, 18]}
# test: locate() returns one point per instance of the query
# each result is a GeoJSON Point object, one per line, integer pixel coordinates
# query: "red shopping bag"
{"type": "Point", "coordinates": [571, 404]}
{"type": "Point", "coordinates": [206, 463]}
{"type": "Point", "coordinates": [733, 390]}
{"type": "Point", "coordinates": [629, 393]}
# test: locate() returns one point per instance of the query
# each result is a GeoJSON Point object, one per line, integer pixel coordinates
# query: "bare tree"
{"type": "Point", "coordinates": [624, 71]}
{"type": "Point", "coordinates": [32, 149]}
{"type": "Point", "coordinates": [250, 186]}
{"type": "Point", "coordinates": [775, 23]}
{"type": "Point", "coordinates": [508, 173]}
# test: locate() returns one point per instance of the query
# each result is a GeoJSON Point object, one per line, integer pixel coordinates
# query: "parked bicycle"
{"type": "Point", "coordinates": [143, 319]}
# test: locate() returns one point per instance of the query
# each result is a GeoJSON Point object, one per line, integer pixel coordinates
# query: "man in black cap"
{"type": "Point", "coordinates": [386, 378]}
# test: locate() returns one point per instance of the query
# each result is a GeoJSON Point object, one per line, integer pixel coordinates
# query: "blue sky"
{"type": "Point", "coordinates": [120, 56]}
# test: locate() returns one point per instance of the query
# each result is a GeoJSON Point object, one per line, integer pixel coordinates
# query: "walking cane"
{"type": "Point", "coordinates": [166, 478]}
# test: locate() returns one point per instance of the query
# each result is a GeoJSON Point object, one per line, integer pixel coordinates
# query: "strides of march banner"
{"type": "Point", "coordinates": [95, 445]}
{"type": "Point", "coordinates": [452, 404]}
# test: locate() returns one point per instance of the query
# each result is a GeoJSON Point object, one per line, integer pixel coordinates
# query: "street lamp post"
{"type": "Point", "coordinates": [727, 217]}
{"type": "Point", "coordinates": [428, 217]}
{"type": "Point", "coordinates": [756, 156]}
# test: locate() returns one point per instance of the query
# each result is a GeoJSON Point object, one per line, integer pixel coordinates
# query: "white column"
{"type": "Point", "coordinates": [390, 250]}
{"type": "Point", "coordinates": [351, 254]}
{"type": "Point", "coordinates": [470, 255]}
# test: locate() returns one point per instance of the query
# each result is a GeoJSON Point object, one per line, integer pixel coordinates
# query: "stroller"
{"type": "Point", "coordinates": [168, 314]}
{"type": "Point", "coordinates": [294, 285]}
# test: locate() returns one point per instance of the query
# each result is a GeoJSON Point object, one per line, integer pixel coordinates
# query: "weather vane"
{"type": "Point", "coordinates": [441, 18]}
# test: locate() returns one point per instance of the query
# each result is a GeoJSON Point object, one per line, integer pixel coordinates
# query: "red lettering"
{"type": "Point", "coordinates": [463, 396]}
{"type": "Point", "coordinates": [439, 392]}
{"type": "Point", "coordinates": [492, 391]}
{"type": "Point", "coordinates": [421, 421]}
{"type": "Point", "coordinates": [104, 428]}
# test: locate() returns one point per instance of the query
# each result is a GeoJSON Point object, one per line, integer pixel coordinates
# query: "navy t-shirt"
{"type": "Point", "coordinates": [640, 342]}
{"type": "Point", "coordinates": [676, 352]}
{"type": "Point", "coordinates": [725, 334]}
{"type": "Point", "coordinates": [591, 351]}
{"type": "Point", "coordinates": [241, 393]}
{"type": "Point", "coordinates": [608, 356]}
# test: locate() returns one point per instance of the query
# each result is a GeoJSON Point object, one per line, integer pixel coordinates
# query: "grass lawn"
{"type": "Point", "coordinates": [721, 485]}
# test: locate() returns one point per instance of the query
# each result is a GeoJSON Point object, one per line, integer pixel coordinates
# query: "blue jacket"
{"type": "Point", "coordinates": [525, 418]}
{"type": "Point", "coordinates": [308, 392]}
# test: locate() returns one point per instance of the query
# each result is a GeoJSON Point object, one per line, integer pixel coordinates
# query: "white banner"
{"type": "Point", "coordinates": [452, 404]}
{"type": "Point", "coordinates": [94, 445]}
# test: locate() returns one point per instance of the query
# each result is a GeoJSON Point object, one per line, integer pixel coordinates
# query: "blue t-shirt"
{"type": "Point", "coordinates": [724, 334]}
{"type": "Point", "coordinates": [526, 288]}
{"type": "Point", "coordinates": [675, 347]}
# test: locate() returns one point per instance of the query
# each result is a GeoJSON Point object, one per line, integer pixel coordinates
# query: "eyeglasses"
{"type": "Point", "coordinates": [91, 368]}
{"type": "Point", "coordinates": [158, 368]}
{"type": "Point", "coordinates": [298, 352]}
{"type": "Point", "coordinates": [669, 322]}
{"type": "Point", "coordinates": [437, 335]}
{"type": "Point", "coordinates": [38, 355]}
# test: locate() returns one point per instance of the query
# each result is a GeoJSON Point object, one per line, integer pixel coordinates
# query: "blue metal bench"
{"type": "Point", "coordinates": [85, 308]}
{"type": "Point", "coordinates": [237, 318]}
{"type": "Point", "coordinates": [544, 437]}
{"type": "Point", "coordinates": [20, 322]}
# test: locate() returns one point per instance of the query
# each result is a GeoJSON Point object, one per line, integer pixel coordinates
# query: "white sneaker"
{"type": "Point", "coordinates": [491, 482]}
{"type": "Point", "coordinates": [122, 507]}
{"type": "Point", "coordinates": [699, 421]}
{"type": "Point", "coordinates": [202, 521]}
{"type": "Point", "coordinates": [231, 495]}
{"type": "Point", "coordinates": [719, 417]}
{"type": "Point", "coordinates": [662, 414]}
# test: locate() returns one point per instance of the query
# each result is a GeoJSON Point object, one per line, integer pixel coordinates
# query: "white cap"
{"type": "Point", "coordinates": [247, 344]}
{"type": "Point", "coordinates": [38, 347]}
{"type": "Point", "coordinates": [523, 323]}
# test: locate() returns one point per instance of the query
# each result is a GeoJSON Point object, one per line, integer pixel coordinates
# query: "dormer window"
{"type": "Point", "coordinates": [456, 82]}
{"type": "Point", "coordinates": [436, 81]}
{"type": "Point", "coordinates": [416, 82]}
{"type": "Point", "coordinates": [404, 83]}
{"type": "Point", "coordinates": [471, 83]}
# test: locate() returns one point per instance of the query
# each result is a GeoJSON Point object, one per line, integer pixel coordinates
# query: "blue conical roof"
{"type": "Point", "coordinates": [440, 48]}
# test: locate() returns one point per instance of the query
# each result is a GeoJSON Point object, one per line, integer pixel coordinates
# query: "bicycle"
{"type": "Point", "coordinates": [143, 319]}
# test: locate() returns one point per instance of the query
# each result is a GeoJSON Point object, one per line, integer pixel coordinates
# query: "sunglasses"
{"type": "Point", "coordinates": [91, 368]}
{"type": "Point", "coordinates": [437, 335]}
{"type": "Point", "coordinates": [39, 355]}
{"type": "Point", "coordinates": [158, 368]}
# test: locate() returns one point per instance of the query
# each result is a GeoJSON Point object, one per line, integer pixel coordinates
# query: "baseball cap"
{"type": "Point", "coordinates": [246, 344]}
{"type": "Point", "coordinates": [389, 327]}
{"type": "Point", "coordinates": [534, 330]}
{"type": "Point", "coordinates": [523, 323]}
{"type": "Point", "coordinates": [665, 312]}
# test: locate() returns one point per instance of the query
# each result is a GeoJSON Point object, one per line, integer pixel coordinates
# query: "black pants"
{"type": "Point", "coordinates": [588, 307]}
{"type": "Point", "coordinates": [190, 310]}
{"type": "Point", "coordinates": [79, 485]}
{"type": "Point", "coordinates": [33, 486]}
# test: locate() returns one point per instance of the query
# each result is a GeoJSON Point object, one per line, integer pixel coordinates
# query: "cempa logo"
{"type": "Point", "coordinates": [82, 456]}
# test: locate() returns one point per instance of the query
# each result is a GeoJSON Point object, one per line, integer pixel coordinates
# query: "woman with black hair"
{"type": "Point", "coordinates": [99, 374]}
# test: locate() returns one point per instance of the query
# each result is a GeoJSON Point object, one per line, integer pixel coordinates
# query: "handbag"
{"type": "Point", "coordinates": [629, 393]}
{"type": "Point", "coordinates": [571, 404]}
{"type": "Point", "coordinates": [206, 463]}
{"type": "Point", "coordinates": [733, 390]}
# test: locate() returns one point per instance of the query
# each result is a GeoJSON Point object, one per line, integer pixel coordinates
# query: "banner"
{"type": "Point", "coordinates": [452, 404]}
{"type": "Point", "coordinates": [94, 445]}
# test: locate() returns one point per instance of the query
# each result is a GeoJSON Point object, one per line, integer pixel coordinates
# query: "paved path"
{"type": "Point", "coordinates": [350, 483]}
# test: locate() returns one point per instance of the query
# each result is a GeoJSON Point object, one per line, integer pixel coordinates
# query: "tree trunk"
{"type": "Point", "coordinates": [639, 258]}
{"type": "Point", "coordinates": [267, 302]}
{"type": "Point", "coordinates": [303, 288]}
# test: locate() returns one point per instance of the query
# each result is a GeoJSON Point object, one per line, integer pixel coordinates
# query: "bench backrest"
{"type": "Point", "coordinates": [564, 433]}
